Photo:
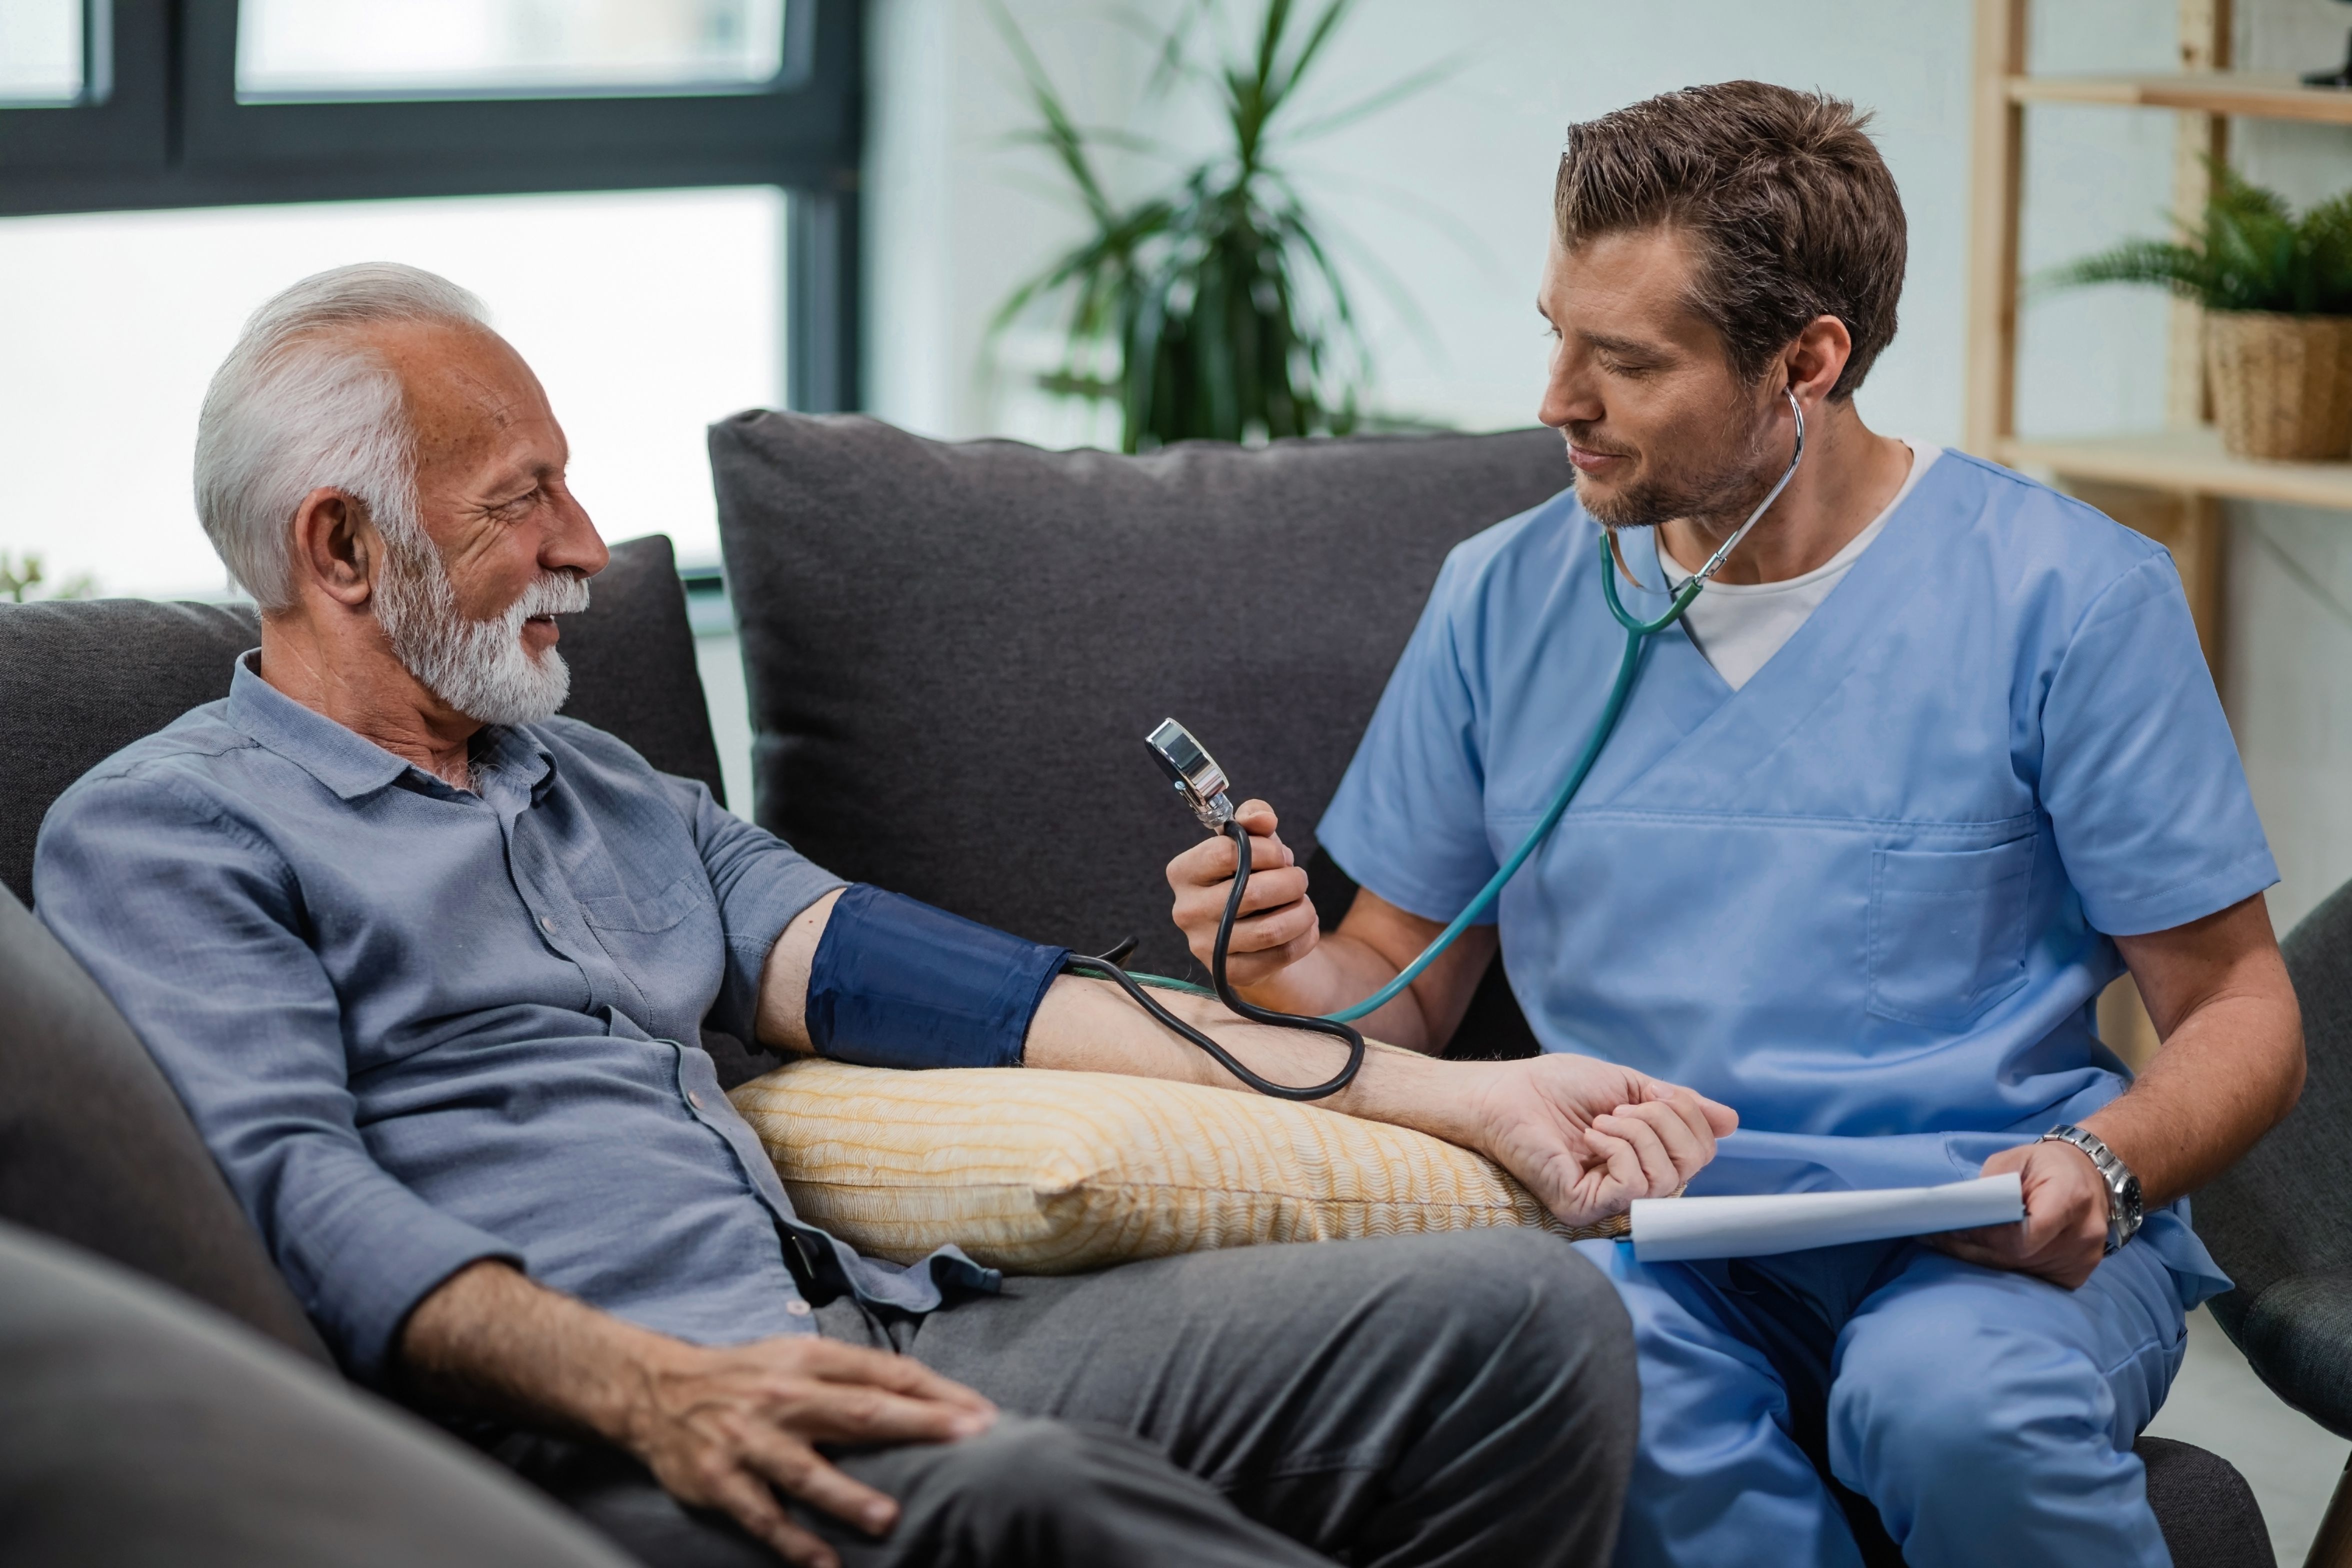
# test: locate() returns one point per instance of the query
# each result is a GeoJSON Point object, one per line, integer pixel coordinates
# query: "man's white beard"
{"type": "Point", "coordinates": [480, 668]}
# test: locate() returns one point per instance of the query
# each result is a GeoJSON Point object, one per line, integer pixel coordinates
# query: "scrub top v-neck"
{"type": "Point", "coordinates": [1867, 899]}
{"type": "Point", "coordinates": [1740, 626]}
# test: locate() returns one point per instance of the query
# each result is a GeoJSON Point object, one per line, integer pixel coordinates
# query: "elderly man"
{"type": "Point", "coordinates": [420, 958]}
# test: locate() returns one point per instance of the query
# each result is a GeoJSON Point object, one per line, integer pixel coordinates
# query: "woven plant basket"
{"type": "Point", "coordinates": [2282, 384]}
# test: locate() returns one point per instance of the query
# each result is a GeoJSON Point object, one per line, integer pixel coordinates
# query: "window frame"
{"type": "Point", "coordinates": [162, 128]}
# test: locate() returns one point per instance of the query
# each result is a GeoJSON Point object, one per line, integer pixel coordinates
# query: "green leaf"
{"type": "Point", "coordinates": [1060, 132]}
{"type": "Point", "coordinates": [1388, 97]}
{"type": "Point", "coordinates": [2247, 251]}
{"type": "Point", "coordinates": [1217, 297]}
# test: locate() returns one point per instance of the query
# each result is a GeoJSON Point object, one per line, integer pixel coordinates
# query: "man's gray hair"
{"type": "Point", "coordinates": [302, 404]}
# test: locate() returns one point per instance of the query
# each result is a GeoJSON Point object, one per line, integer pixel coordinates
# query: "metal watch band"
{"type": "Point", "coordinates": [2124, 1213]}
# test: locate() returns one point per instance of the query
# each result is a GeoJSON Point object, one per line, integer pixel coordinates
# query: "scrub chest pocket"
{"type": "Point", "coordinates": [1948, 931]}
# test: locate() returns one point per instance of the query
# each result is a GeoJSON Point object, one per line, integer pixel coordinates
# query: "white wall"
{"type": "Point", "coordinates": [1445, 198]}
{"type": "Point", "coordinates": [956, 216]}
{"type": "Point", "coordinates": [1449, 194]}
{"type": "Point", "coordinates": [2288, 669]}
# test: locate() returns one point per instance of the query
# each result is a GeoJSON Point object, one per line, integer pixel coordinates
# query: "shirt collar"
{"type": "Point", "coordinates": [347, 762]}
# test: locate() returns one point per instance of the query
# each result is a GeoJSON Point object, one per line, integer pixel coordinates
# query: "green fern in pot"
{"type": "Point", "coordinates": [2277, 293]}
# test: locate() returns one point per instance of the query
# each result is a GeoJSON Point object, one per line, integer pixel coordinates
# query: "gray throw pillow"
{"type": "Point", "coordinates": [955, 649]}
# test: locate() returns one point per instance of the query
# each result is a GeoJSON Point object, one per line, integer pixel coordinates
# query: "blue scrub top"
{"type": "Point", "coordinates": [1867, 899]}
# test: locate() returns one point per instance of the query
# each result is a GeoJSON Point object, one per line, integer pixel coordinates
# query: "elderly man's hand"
{"type": "Point", "coordinates": [1588, 1137]}
{"type": "Point", "coordinates": [724, 1428]}
{"type": "Point", "coordinates": [721, 1428]}
{"type": "Point", "coordinates": [2064, 1231]}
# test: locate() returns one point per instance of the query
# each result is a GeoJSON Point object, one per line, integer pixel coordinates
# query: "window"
{"type": "Point", "coordinates": [294, 50]}
{"type": "Point", "coordinates": [214, 104]}
{"type": "Point", "coordinates": [656, 198]}
{"type": "Point", "coordinates": [41, 53]}
{"type": "Point", "coordinates": [646, 314]}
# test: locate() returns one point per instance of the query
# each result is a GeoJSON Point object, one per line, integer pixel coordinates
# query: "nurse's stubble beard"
{"type": "Point", "coordinates": [1715, 488]}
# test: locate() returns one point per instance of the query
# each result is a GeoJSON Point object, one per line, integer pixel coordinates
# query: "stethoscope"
{"type": "Point", "coordinates": [1203, 786]}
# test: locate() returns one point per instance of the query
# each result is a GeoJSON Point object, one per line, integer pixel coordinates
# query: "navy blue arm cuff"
{"type": "Point", "coordinates": [897, 983]}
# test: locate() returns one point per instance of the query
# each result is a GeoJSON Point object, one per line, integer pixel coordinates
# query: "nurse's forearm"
{"type": "Point", "coordinates": [2232, 1063]}
{"type": "Point", "coordinates": [2224, 1079]}
{"type": "Point", "coordinates": [1342, 970]}
{"type": "Point", "coordinates": [1351, 963]}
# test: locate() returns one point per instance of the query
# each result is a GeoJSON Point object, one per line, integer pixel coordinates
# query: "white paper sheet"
{"type": "Point", "coordinates": [1667, 1231]}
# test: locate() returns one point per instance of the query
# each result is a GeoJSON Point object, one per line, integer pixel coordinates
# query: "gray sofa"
{"type": "Point", "coordinates": [952, 653]}
{"type": "Point", "coordinates": [2281, 1220]}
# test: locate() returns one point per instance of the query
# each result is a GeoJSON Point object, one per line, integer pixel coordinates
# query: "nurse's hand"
{"type": "Point", "coordinates": [1588, 1137]}
{"type": "Point", "coordinates": [2064, 1231]}
{"type": "Point", "coordinates": [1276, 927]}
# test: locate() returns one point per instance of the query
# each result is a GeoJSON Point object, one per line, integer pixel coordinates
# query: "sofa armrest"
{"type": "Point", "coordinates": [2298, 1334]}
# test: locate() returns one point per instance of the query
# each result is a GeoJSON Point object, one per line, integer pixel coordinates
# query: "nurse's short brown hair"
{"type": "Point", "coordinates": [1782, 195]}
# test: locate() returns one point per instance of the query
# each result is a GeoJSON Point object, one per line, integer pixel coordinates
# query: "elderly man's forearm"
{"type": "Point", "coordinates": [491, 1340]}
{"type": "Point", "coordinates": [1090, 1026]}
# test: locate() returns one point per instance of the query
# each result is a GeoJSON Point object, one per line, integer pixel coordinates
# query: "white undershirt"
{"type": "Point", "coordinates": [1739, 626]}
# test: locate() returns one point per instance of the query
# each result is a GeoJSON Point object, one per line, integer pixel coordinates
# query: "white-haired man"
{"type": "Point", "coordinates": [419, 958]}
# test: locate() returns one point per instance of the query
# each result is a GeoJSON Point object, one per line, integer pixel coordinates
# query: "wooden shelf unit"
{"type": "Point", "coordinates": [2169, 484]}
{"type": "Point", "coordinates": [2253, 95]}
{"type": "Point", "coordinates": [2189, 462]}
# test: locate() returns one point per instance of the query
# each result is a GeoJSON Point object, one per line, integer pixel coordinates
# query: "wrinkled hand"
{"type": "Point", "coordinates": [1277, 926]}
{"type": "Point", "coordinates": [2064, 1231]}
{"type": "Point", "coordinates": [729, 1428]}
{"type": "Point", "coordinates": [1587, 1138]}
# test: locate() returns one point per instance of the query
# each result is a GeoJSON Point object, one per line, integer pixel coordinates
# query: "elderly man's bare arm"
{"type": "Point", "coordinates": [1586, 1137]}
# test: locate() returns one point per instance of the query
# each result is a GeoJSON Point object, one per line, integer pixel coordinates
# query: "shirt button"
{"type": "Point", "coordinates": [547, 925]}
{"type": "Point", "coordinates": [797, 1308]}
{"type": "Point", "coordinates": [694, 1100]}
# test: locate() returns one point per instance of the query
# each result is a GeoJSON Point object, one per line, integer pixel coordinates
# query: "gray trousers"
{"type": "Point", "coordinates": [1458, 1399]}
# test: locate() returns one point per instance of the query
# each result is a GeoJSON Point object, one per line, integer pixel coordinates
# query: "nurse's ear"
{"type": "Point", "coordinates": [1815, 358]}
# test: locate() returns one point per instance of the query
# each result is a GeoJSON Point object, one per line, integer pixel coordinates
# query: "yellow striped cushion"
{"type": "Point", "coordinates": [1054, 1173]}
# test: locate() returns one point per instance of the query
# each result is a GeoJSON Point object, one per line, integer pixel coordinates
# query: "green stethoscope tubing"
{"type": "Point", "coordinates": [1637, 636]}
{"type": "Point", "coordinates": [1638, 633]}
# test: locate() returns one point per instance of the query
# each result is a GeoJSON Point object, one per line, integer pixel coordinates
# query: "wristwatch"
{"type": "Point", "coordinates": [2123, 1187]}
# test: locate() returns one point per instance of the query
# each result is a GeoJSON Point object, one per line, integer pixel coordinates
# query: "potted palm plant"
{"type": "Point", "coordinates": [2277, 293]}
{"type": "Point", "coordinates": [1213, 301]}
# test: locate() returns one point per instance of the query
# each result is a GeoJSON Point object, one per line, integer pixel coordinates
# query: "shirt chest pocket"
{"type": "Point", "coordinates": [646, 912]}
{"type": "Point", "coordinates": [1948, 931]}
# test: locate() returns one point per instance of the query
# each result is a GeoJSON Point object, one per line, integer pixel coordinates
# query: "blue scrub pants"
{"type": "Point", "coordinates": [1989, 1417]}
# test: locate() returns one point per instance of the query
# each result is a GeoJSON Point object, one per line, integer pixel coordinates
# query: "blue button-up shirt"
{"type": "Point", "coordinates": [420, 1026]}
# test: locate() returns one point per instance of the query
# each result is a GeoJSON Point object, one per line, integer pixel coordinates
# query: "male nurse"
{"type": "Point", "coordinates": [1932, 761]}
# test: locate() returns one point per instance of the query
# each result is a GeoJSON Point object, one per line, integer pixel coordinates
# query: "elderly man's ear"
{"type": "Point", "coordinates": [337, 547]}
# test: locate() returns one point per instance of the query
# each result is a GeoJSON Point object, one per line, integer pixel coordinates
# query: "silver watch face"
{"type": "Point", "coordinates": [2123, 1212]}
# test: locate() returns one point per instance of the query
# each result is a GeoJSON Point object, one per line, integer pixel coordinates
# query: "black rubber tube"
{"type": "Point", "coordinates": [1109, 969]}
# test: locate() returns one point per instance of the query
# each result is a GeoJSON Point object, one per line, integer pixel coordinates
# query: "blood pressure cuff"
{"type": "Point", "coordinates": [897, 983]}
